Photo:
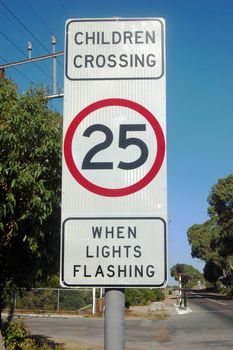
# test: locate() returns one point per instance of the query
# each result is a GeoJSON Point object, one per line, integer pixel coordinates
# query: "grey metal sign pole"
{"type": "Point", "coordinates": [114, 322]}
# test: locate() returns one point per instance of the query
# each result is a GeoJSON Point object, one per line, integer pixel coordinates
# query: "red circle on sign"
{"type": "Point", "coordinates": [114, 192]}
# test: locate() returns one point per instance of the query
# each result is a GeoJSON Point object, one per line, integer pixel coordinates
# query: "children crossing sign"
{"type": "Point", "coordinates": [114, 209]}
{"type": "Point", "coordinates": [115, 49]}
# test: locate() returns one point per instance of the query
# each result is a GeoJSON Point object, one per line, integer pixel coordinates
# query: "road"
{"type": "Point", "coordinates": [208, 326]}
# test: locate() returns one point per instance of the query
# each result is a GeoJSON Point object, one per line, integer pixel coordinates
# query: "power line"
{"type": "Point", "coordinates": [24, 35]}
{"type": "Point", "coordinates": [37, 40]}
{"type": "Point", "coordinates": [33, 60]}
{"type": "Point", "coordinates": [45, 70]}
{"type": "Point", "coordinates": [41, 69]}
{"type": "Point", "coordinates": [24, 26]}
{"type": "Point", "coordinates": [18, 71]}
{"type": "Point", "coordinates": [39, 18]}
{"type": "Point", "coordinates": [28, 39]}
{"type": "Point", "coordinates": [37, 15]}
{"type": "Point", "coordinates": [6, 37]}
{"type": "Point", "coordinates": [20, 30]}
{"type": "Point", "coordinates": [39, 58]}
{"type": "Point", "coordinates": [61, 4]}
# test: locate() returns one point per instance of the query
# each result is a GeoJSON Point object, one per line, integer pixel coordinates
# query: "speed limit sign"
{"type": "Point", "coordinates": [114, 209]}
{"type": "Point", "coordinates": [146, 151]}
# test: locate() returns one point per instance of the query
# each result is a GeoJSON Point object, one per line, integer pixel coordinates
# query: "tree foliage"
{"type": "Point", "coordinates": [142, 296]}
{"type": "Point", "coordinates": [221, 209]}
{"type": "Point", "coordinates": [212, 241]}
{"type": "Point", "coordinates": [30, 175]}
{"type": "Point", "coordinates": [189, 275]}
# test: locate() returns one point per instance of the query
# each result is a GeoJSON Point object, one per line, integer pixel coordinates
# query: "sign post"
{"type": "Point", "coordinates": [114, 206]}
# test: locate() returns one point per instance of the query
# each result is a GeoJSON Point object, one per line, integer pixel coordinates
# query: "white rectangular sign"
{"type": "Point", "coordinates": [114, 154]}
{"type": "Point", "coordinates": [113, 251]}
{"type": "Point", "coordinates": [115, 49]}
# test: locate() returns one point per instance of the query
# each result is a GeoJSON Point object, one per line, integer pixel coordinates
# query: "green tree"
{"type": "Point", "coordinates": [189, 275]}
{"type": "Point", "coordinates": [30, 176]}
{"type": "Point", "coordinates": [221, 209]}
{"type": "Point", "coordinates": [203, 239]}
{"type": "Point", "coordinates": [212, 241]}
{"type": "Point", "coordinates": [212, 272]}
{"type": "Point", "coordinates": [142, 296]}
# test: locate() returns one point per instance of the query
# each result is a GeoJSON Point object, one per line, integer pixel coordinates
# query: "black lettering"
{"type": "Point", "coordinates": [99, 271]}
{"type": "Point", "coordinates": [89, 61]}
{"type": "Point", "coordinates": [125, 141]}
{"type": "Point", "coordinates": [150, 37]}
{"type": "Point", "coordinates": [123, 58]}
{"type": "Point", "coordinates": [116, 251]}
{"type": "Point", "coordinates": [111, 59]}
{"type": "Point", "coordinates": [150, 271]}
{"type": "Point", "coordinates": [76, 38]}
{"type": "Point", "coordinates": [96, 231]}
{"type": "Point", "coordinates": [109, 232]}
{"type": "Point", "coordinates": [150, 60]}
{"type": "Point", "coordinates": [131, 60]}
{"type": "Point", "coordinates": [137, 251]}
{"type": "Point", "coordinates": [105, 251]}
{"type": "Point", "coordinates": [76, 63]}
{"type": "Point", "coordinates": [91, 38]}
{"type": "Point", "coordinates": [87, 253]}
{"type": "Point", "coordinates": [138, 37]}
{"type": "Point", "coordinates": [120, 231]}
{"type": "Point", "coordinates": [124, 270]}
{"type": "Point", "coordinates": [100, 61]}
{"type": "Point", "coordinates": [132, 232]}
{"type": "Point", "coordinates": [127, 247]}
{"type": "Point", "coordinates": [128, 37]}
{"type": "Point", "coordinates": [111, 272]}
{"type": "Point", "coordinates": [103, 39]}
{"type": "Point", "coordinates": [116, 37]}
{"type": "Point", "coordinates": [85, 272]}
{"type": "Point", "coordinates": [98, 38]}
{"type": "Point", "coordinates": [87, 160]}
{"type": "Point", "coordinates": [140, 60]}
{"type": "Point", "coordinates": [76, 269]}
{"type": "Point", "coordinates": [138, 270]}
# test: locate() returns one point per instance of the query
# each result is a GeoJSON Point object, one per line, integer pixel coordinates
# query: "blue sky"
{"type": "Point", "coordinates": [199, 45]}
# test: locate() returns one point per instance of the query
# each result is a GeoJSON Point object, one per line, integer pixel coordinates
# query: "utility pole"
{"type": "Point", "coordinates": [53, 55]}
{"type": "Point", "coordinates": [34, 59]}
{"type": "Point", "coordinates": [114, 321]}
{"type": "Point", "coordinates": [54, 41]}
{"type": "Point", "coordinates": [29, 50]}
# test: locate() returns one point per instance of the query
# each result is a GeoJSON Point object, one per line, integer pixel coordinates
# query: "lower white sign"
{"type": "Point", "coordinates": [114, 252]}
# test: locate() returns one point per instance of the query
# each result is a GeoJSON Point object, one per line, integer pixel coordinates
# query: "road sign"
{"type": "Point", "coordinates": [114, 209]}
{"type": "Point", "coordinates": [81, 170]}
{"type": "Point", "coordinates": [111, 251]}
{"type": "Point", "coordinates": [114, 49]}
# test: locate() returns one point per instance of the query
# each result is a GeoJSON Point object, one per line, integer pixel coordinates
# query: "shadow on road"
{"type": "Point", "coordinates": [207, 293]}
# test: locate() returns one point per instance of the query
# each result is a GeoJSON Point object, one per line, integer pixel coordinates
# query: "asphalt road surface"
{"type": "Point", "coordinates": [207, 325]}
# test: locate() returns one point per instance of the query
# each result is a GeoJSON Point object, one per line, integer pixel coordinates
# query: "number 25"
{"type": "Point", "coordinates": [124, 142]}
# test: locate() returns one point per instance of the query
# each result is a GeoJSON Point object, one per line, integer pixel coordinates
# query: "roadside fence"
{"type": "Point", "coordinates": [55, 300]}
